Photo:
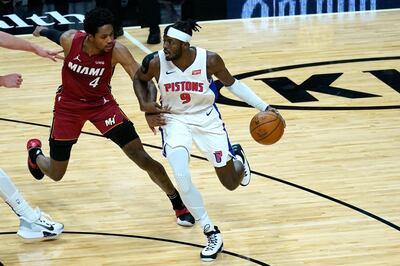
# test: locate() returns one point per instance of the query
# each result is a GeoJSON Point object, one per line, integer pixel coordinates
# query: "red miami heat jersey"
{"type": "Point", "coordinates": [85, 77]}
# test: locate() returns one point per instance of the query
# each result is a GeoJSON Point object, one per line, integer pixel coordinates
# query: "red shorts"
{"type": "Point", "coordinates": [70, 115]}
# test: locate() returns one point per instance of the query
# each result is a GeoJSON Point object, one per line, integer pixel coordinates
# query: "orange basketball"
{"type": "Point", "coordinates": [267, 127]}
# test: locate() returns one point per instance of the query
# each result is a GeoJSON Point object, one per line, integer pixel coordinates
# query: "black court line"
{"type": "Point", "coordinates": [362, 211]}
{"type": "Point", "coordinates": [371, 215]}
{"type": "Point", "coordinates": [155, 239]}
{"type": "Point", "coordinates": [335, 108]}
{"type": "Point", "coordinates": [314, 64]}
{"type": "Point", "coordinates": [241, 76]}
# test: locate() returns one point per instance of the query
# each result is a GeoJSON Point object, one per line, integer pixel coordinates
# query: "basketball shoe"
{"type": "Point", "coordinates": [34, 149]}
{"type": "Point", "coordinates": [43, 228]}
{"type": "Point", "coordinates": [214, 245]}
{"type": "Point", "coordinates": [184, 217]}
{"type": "Point", "coordinates": [239, 154]}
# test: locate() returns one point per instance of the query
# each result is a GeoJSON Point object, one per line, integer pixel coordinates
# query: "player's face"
{"type": "Point", "coordinates": [172, 48]}
{"type": "Point", "coordinates": [104, 38]}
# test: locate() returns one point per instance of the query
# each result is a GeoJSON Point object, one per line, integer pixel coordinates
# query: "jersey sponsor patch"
{"type": "Point", "coordinates": [196, 72]}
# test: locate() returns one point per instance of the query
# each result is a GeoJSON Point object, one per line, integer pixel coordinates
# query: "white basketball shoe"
{"type": "Point", "coordinates": [43, 228]}
{"type": "Point", "coordinates": [214, 245]}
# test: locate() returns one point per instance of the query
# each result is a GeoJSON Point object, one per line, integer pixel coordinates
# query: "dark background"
{"type": "Point", "coordinates": [172, 10]}
{"type": "Point", "coordinates": [274, 7]}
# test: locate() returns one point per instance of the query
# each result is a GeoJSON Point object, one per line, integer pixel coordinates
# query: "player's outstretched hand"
{"type": "Point", "coordinates": [43, 52]}
{"type": "Point", "coordinates": [52, 55]}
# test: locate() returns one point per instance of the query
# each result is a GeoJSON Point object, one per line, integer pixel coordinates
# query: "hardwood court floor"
{"type": "Point", "coordinates": [326, 194]}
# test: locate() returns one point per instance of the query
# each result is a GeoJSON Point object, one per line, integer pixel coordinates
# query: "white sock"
{"type": "Point", "coordinates": [14, 199]}
{"type": "Point", "coordinates": [206, 223]}
{"type": "Point", "coordinates": [179, 160]}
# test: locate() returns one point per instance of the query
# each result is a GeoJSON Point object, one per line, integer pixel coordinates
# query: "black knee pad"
{"type": "Point", "coordinates": [60, 150]}
{"type": "Point", "coordinates": [122, 134]}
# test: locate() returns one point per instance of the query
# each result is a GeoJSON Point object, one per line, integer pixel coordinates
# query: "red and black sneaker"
{"type": "Point", "coordinates": [34, 149]}
{"type": "Point", "coordinates": [184, 217]}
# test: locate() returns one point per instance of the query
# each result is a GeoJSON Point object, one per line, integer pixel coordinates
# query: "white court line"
{"type": "Point", "coordinates": [137, 43]}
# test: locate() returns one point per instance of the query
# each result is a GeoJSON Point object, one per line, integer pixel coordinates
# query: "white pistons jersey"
{"type": "Point", "coordinates": [189, 91]}
{"type": "Point", "coordinates": [194, 116]}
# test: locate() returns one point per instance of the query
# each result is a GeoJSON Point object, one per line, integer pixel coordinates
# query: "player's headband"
{"type": "Point", "coordinates": [177, 34]}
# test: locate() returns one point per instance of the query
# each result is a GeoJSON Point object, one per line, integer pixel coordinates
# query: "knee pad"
{"type": "Point", "coordinates": [183, 181]}
{"type": "Point", "coordinates": [178, 158]}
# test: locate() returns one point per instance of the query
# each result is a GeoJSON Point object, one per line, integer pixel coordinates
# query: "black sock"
{"type": "Point", "coordinates": [34, 153]}
{"type": "Point", "coordinates": [176, 201]}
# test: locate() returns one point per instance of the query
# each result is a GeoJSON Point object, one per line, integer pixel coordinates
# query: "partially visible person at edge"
{"type": "Point", "coordinates": [9, 41]}
{"type": "Point", "coordinates": [85, 95]}
{"type": "Point", "coordinates": [34, 224]}
{"type": "Point", "coordinates": [187, 95]}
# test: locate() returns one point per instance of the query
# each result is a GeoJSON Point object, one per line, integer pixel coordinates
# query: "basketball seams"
{"type": "Point", "coordinates": [278, 126]}
{"type": "Point", "coordinates": [270, 121]}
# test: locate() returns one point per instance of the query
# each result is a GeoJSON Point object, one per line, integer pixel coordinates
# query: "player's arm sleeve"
{"type": "Point", "coordinates": [146, 62]}
{"type": "Point", "coordinates": [52, 35]}
{"type": "Point", "coordinates": [246, 94]}
{"type": "Point", "coordinates": [143, 85]}
{"type": "Point", "coordinates": [151, 87]}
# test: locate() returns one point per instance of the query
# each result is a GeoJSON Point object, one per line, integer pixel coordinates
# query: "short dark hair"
{"type": "Point", "coordinates": [187, 26]}
{"type": "Point", "coordinates": [96, 18]}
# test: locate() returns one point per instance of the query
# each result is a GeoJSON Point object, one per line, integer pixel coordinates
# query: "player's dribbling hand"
{"type": "Point", "coordinates": [155, 120]}
{"type": "Point", "coordinates": [272, 109]}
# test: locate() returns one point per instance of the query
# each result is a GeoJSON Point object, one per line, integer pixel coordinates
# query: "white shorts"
{"type": "Point", "coordinates": [205, 129]}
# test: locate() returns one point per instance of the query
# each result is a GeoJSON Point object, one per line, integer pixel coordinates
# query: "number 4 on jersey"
{"type": "Point", "coordinates": [94, 82]}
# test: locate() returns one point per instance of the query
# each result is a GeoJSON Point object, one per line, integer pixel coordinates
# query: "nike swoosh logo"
{"type": "Point", "coordinates": [207, 114]}
{"type": "Point", "coordinates": [50, 228]}
{"type": "Point", "coordinates": [169, 72]}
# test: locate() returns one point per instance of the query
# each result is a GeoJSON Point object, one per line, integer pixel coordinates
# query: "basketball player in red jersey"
{"type": "Point", "coordinates": [85, 95]}
{"type": "Point", "coordinates": [184, 74]}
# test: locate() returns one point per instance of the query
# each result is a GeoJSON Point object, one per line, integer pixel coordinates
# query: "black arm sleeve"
{"type": "Point", "coordinates": [146, 62]}
{"type": "Point", "coordinates": [52, 35]}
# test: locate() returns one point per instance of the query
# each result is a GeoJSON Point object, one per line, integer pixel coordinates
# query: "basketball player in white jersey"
{"type": "Point", "coordinates": [33, 223]}
{"type": "Point", "coordinates": [187, 96]}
